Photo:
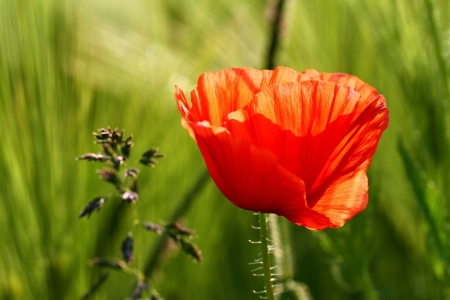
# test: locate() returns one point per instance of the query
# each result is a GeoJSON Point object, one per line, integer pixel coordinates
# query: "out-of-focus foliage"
{"type": "Point", "coordinates": [70, 67]}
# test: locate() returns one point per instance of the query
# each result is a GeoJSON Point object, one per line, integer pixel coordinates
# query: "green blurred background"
{"type": "Point", "coordinates": [70, 67]}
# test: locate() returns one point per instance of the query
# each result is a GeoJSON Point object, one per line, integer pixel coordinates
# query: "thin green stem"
{"type": "Point", "coordinates": [264, 238]}
{"type": "Point", "coordinates": [275, 34]}
{"type": "Point", "coordinates": [136, 235]}
{"type": "Point", "coordinates": [437, 40]}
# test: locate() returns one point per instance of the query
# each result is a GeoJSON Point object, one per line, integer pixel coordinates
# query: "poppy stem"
{"type": "Point", "coordinates": [264, 238]}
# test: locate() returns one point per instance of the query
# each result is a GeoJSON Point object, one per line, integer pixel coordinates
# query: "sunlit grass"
{"type": "Point", "coordinates": [68, 68]}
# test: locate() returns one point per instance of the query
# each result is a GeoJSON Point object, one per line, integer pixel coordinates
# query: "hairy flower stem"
{"type": "Point", "coordinates": [264, 238]}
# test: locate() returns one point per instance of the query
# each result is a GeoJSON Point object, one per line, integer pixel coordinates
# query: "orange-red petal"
{"type": "Point", "coordinates": [294, 144]}
{"type": "Point", "coordinates": [249, 177]}
{"type": "Point", "coordinates": [321, 132]}
{"type": "Point", "coordinates": [219, 93]}
{"type": "Point", "coordinates": [345, 197]}
{"type": "Point", "coordinates": [350, 81]}
{"type": "Point", "coordinates": [184, 109]}
{"type": "Point", "coordinates": [252, 178]}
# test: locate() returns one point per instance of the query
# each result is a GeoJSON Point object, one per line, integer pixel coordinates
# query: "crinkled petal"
{"type": "Point", "coordinates": [351, 81]}
{"type": "Point", "coordinates": [252, 179]}
{"type": "Point", "coordinates": [184, 109]}
{"type": "Point", "coordinates": [345, 197]}
{"type": "Point", "coordinates": [262, 133]}
{"type": "Point", "coordinates": [294, 144]}
{"type": "Point", "coordinates": [219, 93]}
{"type": "Point", "coordinates": [312, 111]}
{"type": "Point", "coordinates": [323, 133]}
{"type": "Point", "coordinates": [306, 108]}
{"type": "Point", "coordinates": [247, 176]}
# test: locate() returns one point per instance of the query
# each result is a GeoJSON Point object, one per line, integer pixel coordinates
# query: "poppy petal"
{"type": "Point", "coordinates": [246, 175]}
{"type": "Point", "coordinates": [219, 93]}
{"type": "Point", "coordinates": [345, 197]}
{"type": "Point", "coordinates": [252, 179]}
{"type": "Point", "coordinates": [306, 108]}
{"type": "Point", "coordinates": [260, 132]}
{"type": "Point", "coordinates": [322, 151]}
{"type": "Point", "coordinates": [343, 191]}
{"type": "Point", "coordinates": [311, 111]}
{"type": "Point", "coordinates": [294, 144]}
{"type": "Point", "coordinates": [351, 81]}
{"type": "Point", "coordinates": [182, 104]}
{"type": "Point", "coordinates": [184, 109]}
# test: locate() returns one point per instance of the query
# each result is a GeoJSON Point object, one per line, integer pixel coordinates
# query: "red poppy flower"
{"type": "Point", "coordinates": [294, 144]}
